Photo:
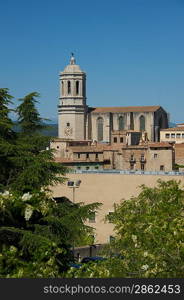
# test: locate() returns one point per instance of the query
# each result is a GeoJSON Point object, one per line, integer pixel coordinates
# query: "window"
{"type": "Point", "coordinates": [121, 140]}
{"type": "Point", "coordinates": [57, 147]}
{"type": "Point", "coordinates": [142, 167]}
{"type": "Point", "coordinates": [162, 168]}
{"type": "Point", "coordinates": [96, 155]}
{"type": "Point", "coordinates": [110, 214]}
{"type": "Point", "coordinates": [173, 135]}
{"type": "Point", "coordinates": [178, 135]}
{"type": "Point", "coordinates": [78, 155]}
{"type": "Point", "coordinates": [131, 166]}
{"type": "Point", "coordinates": [115, 139]}
{"type": "Point", "coordinates": [167, 135]}
{"type": "Point", "coordinates": [121, 123]}
{"type": "Point", "coordinates": [87, 155]}
{"type": "Point", "coordinates": [142, 157]}
{"type": "Point", "coordinates": [68, 124]}
{"type": "Point", "coordinates": [100, 129]}
{"type": "Point", "coordinates": [111, 238]}
{"type": "Point", "coordinates": [131, 121]}
{"type": "Point", "coordinates": [155, 155]}
{"type": "Point", "coordinates": [62, 87]}
{"type": "Point", "coordinates": [142, 123]}
{"type": "Point", "coordinates": [69, 87]}
{"type": "Point", "coordinates": [77, 87]}
{"type": "Point", "coordinates": [92, 217]}
{"type": "Point", "coordinates": [182, 135]}
{"type": "Point", "coordinates": [132, 157]}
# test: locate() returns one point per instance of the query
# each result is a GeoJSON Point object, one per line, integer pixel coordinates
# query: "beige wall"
{"type": "Point", "coordinates": [107, 189]}
{"type": "Point", "coordinates": [77, 122]}
{"type": "Point", "coordinates": [164, 158]}
{"type": "Point", "coordinates": [153, 159]}
{"type": "Point", "coordinates": [176, 139]}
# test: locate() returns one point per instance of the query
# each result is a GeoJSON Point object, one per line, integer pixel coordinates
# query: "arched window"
{"type": "Point", "coordinates": [121, 123]}
{"type": "Point", "coordinates": [131, 121]}
{"type": "Point", "coordinates": [69, 87]}
{"type": "Point", "coordinates": [62, 87]}
{"type": "Point", "coordinates": [142, 123]}
{"type": "Point", "coordinates": [77, 87]}
{"type": "Point", "coordinates": [100, 129]}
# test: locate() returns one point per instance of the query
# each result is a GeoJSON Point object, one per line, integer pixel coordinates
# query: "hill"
{"type": "Point", "coordinates": [52, 130]}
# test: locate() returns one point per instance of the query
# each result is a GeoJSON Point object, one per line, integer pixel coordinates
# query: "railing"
{"type": "Point", "coordinates": [128, 172]}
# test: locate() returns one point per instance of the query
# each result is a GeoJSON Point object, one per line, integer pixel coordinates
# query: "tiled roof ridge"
{"type": "Point", "coordinates": [127, 108]}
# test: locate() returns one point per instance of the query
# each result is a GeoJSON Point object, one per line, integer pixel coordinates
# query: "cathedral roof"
{"type": "Point", "coordinates": [125, 109]}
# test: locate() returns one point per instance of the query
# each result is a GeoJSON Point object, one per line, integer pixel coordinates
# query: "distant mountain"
{"type": "Point", "coordinates": [171, 124]}
{"type": "Point", "coordinates": [52, 130]}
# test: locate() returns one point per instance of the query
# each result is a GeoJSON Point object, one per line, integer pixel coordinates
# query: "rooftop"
{"type": "Point", "coordinates": [174, 129]}
{"type": "Point", "coordinates": [126, 109]}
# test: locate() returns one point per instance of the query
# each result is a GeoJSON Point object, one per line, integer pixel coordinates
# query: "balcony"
{"type": "Point", "coordinates": [132, 160]}
{"type": "Point", "coordinates": [143, 160]}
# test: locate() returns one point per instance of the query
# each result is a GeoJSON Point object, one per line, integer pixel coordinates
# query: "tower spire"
{"type": "Point", "coordinates": [72, 59]}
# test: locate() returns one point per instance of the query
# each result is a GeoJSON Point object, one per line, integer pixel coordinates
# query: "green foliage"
{"type": "Point", "coordinates": [29, 117]}
{"type": "Point", "coordinates": [36, 234]}
{"type": "Point", "coordinates": [7, 137]}
{"type": "Point", "coordinates": [149, 235]}
{"type": "Point", "coordinates": [5, 122]}
{"type": "Point", "coordinates": [25, 163]}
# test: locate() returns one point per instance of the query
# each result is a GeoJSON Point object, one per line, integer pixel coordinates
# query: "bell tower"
{"type": "Point", "coordinates": [72, 107]}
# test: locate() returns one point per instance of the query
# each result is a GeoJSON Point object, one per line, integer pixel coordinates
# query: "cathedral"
{"type": "Point", "coordinates": [79, 122]}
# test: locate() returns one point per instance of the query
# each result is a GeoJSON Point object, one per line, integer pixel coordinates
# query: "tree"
{"type": "Point", "coordinates": [28, 116]}
{"type": "Point", "coordinates": [7, 137]}
{"type": "Point", "coordinates": [149, 236]}
{"type": "Point", "coordinates": [26, 163]}
{"type": "Point", "coordinates": [36, 231]}
{"type": "Point", "coordinates": [36, 235]}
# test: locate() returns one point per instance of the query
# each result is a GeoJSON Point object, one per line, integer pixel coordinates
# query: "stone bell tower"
{"type": "Point", "coordinates": [72, 109]}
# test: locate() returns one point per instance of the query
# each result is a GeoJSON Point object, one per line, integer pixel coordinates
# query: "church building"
{"type": "Point", "coordinates": [77, 121]}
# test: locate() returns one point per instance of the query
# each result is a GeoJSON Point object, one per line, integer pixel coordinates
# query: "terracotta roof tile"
{"type": "Point", "coordinates": [174, 129]}
{"type": "Point", "coordinates": [160, 145]}
{"type": "Point", "coordinates": [87, 148]}
{"type": "Point", "coordinates": [125, 109]}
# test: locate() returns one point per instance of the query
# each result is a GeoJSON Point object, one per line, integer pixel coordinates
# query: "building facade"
{"type": "Point", "coordinates": [108, 189]}
{"type": "Point", "coordinates": [78, 121]}
{"type": "Point", "coordinates": [94, 156]}
{"type": "Point", "coordinates": [175, 135]}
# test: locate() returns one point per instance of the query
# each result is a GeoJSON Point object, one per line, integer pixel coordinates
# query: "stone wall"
{"type": "Point", "coordinates": [107, 189]}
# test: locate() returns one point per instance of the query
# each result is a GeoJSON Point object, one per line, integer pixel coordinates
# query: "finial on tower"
{"type": "Point", "coordinates": [72, 59]}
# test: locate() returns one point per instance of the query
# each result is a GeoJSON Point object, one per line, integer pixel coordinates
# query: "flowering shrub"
{"type": "Point", "coordinates": [36, 234]}
{"type": "Point", "coordinates": [29, 245]}
{"type": "Point", "coordinates": [149, 236]}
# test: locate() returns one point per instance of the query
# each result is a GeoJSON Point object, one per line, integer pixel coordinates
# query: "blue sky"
{"type": "Point", "coordinates": [131, 50]}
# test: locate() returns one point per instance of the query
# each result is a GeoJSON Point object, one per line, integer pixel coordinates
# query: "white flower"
{"type": "Point", "coordinates": [26, 197]}
{"type": "Point", "coordinates": [145, 267]}
{"type": "Point", "coordinates": [28, 212]}
{"type": "Point", "coordinates": [145, 253]}
{"type": "Point", "coordinates": [6, 193]}
{"type": "Point", "coordinates": [134, 238]}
